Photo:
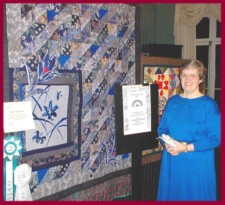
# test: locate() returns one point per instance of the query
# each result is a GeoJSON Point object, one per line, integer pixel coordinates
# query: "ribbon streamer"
{"type": "Point", "coordinates": [12, 151]}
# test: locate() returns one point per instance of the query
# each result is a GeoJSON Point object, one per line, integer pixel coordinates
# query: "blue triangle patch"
{"type": "Point", "coordinates": [41, 173]}
{"type": "Point", "coordinates": [63, 59]}
{"type": "Point", "coordinates": [51, 14]}
{"type": "Point", "coordinates": [111, 91]}
{"type": "Point", "coordinates": [94, 48]}
{"type": "Point", "coordinates": [102, 13]}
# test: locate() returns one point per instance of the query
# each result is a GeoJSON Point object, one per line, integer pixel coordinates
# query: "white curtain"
{"type": "Point", "coordinates": [187, 16]}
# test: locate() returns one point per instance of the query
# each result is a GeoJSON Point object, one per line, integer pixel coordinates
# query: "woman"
{"type": "Point", "coordinates": [192, 120]}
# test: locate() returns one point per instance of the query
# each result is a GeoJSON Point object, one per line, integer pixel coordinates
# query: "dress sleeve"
{"type": "Point", "coordinates": [212, 137]}
{"type": "Point", "coordinates": [162, 128]}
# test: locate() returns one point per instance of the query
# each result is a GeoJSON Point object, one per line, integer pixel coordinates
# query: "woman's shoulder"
{"type": "Point", "coordinates": [209, 103]}
{"type": "Point", "coordinates": [209, 100]}
{"type": "Point", "coordinates": [174, 97]}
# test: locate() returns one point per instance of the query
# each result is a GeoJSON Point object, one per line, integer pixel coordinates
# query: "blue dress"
{"type": "Point", "coordinates": [190, 176]}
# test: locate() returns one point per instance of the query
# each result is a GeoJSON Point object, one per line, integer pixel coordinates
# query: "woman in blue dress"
{"type": "Point", "coordinates": [192, 120]}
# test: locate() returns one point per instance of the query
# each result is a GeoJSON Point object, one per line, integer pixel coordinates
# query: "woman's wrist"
{"type": "Point", "coordinates": [185, 147]}
{"type": "Point", "coordinates": [188, 147]}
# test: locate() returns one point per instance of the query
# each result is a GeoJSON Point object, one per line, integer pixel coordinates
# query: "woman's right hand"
{"type": "Point", "coordinates": [171, 149]}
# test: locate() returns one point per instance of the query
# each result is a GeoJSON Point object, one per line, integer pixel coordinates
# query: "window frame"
{"type": "Point", "coordinates": [212, 41]}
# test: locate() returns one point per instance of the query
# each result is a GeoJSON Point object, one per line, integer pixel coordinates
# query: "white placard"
{"type": "Point", "coordinates": [136, 109]}
{"type": "Point", "coordinates": [18, 116]}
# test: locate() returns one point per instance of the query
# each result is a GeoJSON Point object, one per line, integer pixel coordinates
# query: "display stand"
{"type": "Point", "coordinates": [136, 143]}
{"type": "Point", "coordinates": [140, 141]}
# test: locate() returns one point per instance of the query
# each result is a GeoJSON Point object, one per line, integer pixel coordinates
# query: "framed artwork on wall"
{"type": "Point", "coordinates": [56, 112]}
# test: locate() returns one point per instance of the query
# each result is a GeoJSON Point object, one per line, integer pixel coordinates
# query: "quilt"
{"type": "Point", "coordinates": [167, 78]}
{"type": "Point", "coordinates": [66, 59]}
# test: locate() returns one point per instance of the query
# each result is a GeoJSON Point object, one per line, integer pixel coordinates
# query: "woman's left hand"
{"type": "Point", "coordinates": [177, 149]}
{"type": "Point", "coordinates": [171, 149]}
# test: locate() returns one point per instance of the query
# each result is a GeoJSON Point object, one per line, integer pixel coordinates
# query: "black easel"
{"type": "Point", "coordinates": [136, 143]}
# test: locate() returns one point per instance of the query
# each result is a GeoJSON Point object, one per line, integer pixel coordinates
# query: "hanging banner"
{"type": "Point", "coordinates": [12, 151]}
{"type": "Point", "coordinates": [136, 109]}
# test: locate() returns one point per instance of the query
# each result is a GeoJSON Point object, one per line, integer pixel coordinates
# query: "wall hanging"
{"type": "Point", "coordinates": [66, 60]}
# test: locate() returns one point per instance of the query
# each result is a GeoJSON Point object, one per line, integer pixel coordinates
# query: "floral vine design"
{"type": "Point", "coordinates": [46, 71]}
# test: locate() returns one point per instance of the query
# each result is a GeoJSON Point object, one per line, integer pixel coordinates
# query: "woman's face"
{"type": "Point", "coordinates": [190, 79]}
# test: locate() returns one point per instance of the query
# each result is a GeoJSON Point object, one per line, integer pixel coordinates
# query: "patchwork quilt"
{"type": "Point", "coordinates": [167, 78]}
{"type": "Point", "coordinates": [66, 59]}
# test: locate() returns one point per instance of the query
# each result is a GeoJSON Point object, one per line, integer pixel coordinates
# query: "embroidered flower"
{"type": "Point", "coordinates": [50, 110]}
{"type": "Point", "coordinates": [47, 68]}
{"type": "Point", "coordinates": [39, 138]}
